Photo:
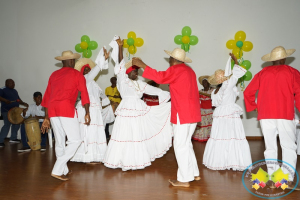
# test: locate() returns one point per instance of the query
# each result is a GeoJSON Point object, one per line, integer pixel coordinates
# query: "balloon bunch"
{"type": "Point", "coordinates": [186, 39]}
{"type": "Point", "coordinates": [132, 42]}
{"type": "Point", "coordinates": [86, 46]}
{"type": "Point", "coordinates": [238, 45]}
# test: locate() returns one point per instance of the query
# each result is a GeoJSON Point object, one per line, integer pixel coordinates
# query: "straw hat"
{"type": "Point", "coordinates": [129, 63]}
{"type": "Point", "coordinates": [179, 54]}
{"type": "Point", "coordinates": [201, 78]}
{"type": "Point", "coordinates": [67, 55]}
{"type": "Point", "coordinates": [278, 53]}
{"type": "Point", "coordinates": [218, 77]}
{"type": "Point", "coordinates": [83, 61]}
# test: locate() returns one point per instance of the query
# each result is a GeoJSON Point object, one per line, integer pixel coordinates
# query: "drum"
{"type": "Point", "coordinates": [14, 115]}
{"type": "Point", "coordinates": [33, 132]}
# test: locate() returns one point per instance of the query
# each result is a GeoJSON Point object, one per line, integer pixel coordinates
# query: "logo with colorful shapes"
{"type": "Point", "coordinates": [258, 182]}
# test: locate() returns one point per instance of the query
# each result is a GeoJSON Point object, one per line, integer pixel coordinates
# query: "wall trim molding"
{"type": "Point", "coordinates": [254, 137]}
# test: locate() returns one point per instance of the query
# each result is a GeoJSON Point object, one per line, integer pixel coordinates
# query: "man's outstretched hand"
{"type": "Point", "coordinates": [106, 54]}
{"type": "Point", "coordinates": [138, 62]}
{"type": "Point", "coordinates": [45, 126]}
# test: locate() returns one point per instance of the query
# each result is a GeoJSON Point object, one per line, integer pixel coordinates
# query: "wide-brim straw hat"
{"type": "Point", "coordinates": [218, 77]}
{"type": "Point", "coordinates": [278, 53]}
{"type": "Point", "coordinates": [129, 63]}
{"type": "Point", "coordinates": [201, 78]}
{"type": "Point", "coordinates": [179, 54]}
{"type": "Point", "coordinates": [83, 61]}
{"type": "Point", "coordinates": [68, 55]}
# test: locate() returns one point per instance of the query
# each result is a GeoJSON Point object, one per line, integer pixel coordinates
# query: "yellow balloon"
{"type": "Point", "coordinates": [132, 50]}
{"type": "Point", "coordinates": [84, 45]}
{"type": "Point", "coordinates": [139, 42]}
{"type": "Point", "coordinates": [248, 46]}
{"type": "Point", "coordinates": [185, 39]}
{"type": "Point", "coordinates": [237, 52]}
{"type": "Point", "coordinates": [131, 34]}
{"type": "Point", "coordinates": [125, 45]}
{"type": "Point", "coordinates": [240, 36]}
{"type": "Point", "coordinates": [230, 44]}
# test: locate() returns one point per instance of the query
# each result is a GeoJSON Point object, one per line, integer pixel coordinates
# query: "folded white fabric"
{"type": "Point", "coordinates": [100, 60]}
{"type": "Point", "coordinates": [115, 51]}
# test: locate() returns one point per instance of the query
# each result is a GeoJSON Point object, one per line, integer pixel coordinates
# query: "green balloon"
{"type": "Point", "coordinates": [239, 44]}
{"type": "Point", "coordinates": [248, 76]}
{"type": "Point", "coordinates": [186, 31]}
{"type": "Point", "coordinates": [177, 39]}
{"type": "Point", "coordinates": [247, 64]}
{"type": "Point", "coordinates": [185, 47]}
{"type": "Point", "coordinates": [85, 38]}
{"type": "Point", "coordinates": [130, 41]}
{"type": "Point", "coordinates": [193, 40]}
{"type": "Point", "coordinates": [93, 45]}
{"type": "Point", "coordinates": [87, 53]}
{"type": "Point", "coordinates": [78, 48]}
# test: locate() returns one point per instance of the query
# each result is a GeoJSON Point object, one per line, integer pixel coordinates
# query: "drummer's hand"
{"type": "Point", "coordinates": [24, 111]}
{"type": "Point", "coordinates": [45, 126]}
{"type": "Point", "coordinates": [87, 119]}
{"type": "Point", "coordinates": [8, 102]}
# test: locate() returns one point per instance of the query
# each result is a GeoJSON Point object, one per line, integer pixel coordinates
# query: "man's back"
{"type": "Point", "coordinates": [277, 86]}
{"type": "Point", "coordinates": [62, 91]}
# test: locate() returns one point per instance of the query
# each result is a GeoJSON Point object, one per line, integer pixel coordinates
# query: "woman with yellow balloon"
{"type": "Point", "coordinates": [238, 46]}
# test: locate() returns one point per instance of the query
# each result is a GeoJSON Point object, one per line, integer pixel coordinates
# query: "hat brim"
{"type": "Point", "coordinates": [267, 57]}
{"type": "Point", "coordinates": [201, 78]}
{"type": "Point", "coordinates": [73, 56]}
{"type": "Point", "coordinates": [212, 80]}
{"type": "Point", "coordinates": [129, 63]}
{"type": "Point", "coordinates": [83, 61]}
{"type": "Point", "coordinates": [186, 60]}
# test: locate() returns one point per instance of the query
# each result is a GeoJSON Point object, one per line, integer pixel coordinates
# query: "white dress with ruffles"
{"type": "Point", "coordinates": [93, 146]}
{"type": "Point", "coordinates": [227, 147]}
{"type": "Point", "coordinates": [141, 133]}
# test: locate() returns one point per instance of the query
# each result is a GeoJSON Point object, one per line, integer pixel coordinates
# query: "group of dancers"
{"type": "Point", "coordinates": [142, 133]}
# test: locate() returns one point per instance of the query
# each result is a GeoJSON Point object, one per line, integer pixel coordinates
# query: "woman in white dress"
{"type": "Point", "coordinates": [141, 133]}
{"type": "Point", "coordinates": [227, 147]}
{"type": "Point", "coordinates": [93, 147]}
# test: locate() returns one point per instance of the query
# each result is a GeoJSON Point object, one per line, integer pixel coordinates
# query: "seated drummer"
{"type": "Point", "coordinates": [37, 111]}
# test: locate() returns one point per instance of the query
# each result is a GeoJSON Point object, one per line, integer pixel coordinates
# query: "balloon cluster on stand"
{"type": "Point", "coordinates": [238, 47]}
{"type": "Point", "coordinates": [186, 39]}
{"type": "Point", "coordinates": [86, 46]}
{"type": "Point", "coordinates": [132, 42]}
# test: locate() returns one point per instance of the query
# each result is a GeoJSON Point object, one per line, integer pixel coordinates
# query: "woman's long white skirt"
{"type": "Point", "coordinates": [93, 146]}
{"type": "Point", "coordinates": [227, 147]}
{"type": "Point", "coordinates": [137, 141]}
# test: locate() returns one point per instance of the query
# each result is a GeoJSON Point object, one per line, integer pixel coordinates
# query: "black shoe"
{"type": "Point", "coordinates": [2, 144]}
{"type": "Point", "coordinates": [14, 141]}
{"type": "Point", "coordinates": [24, 149]}
{"type": "Point", "coordinates": [43, 149]}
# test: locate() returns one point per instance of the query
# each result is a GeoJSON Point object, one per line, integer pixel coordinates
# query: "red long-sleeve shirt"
{"type": "Point", "coordinates": [62, 90]}
{"type": "Point", "coordinates": [278, 89]}
{"type": "Point", "coordinates": [183, 89]}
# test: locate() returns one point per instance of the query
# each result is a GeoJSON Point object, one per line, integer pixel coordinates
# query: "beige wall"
{"type": "Point", "coordinates": [33, 32]}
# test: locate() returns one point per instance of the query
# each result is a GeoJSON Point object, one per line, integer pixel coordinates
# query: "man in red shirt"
{"type": "Point", "coordinates": [278, 88]}
{"type": "Point", "coordinates": [59, 102]}
{"type": "Point", "coordinates": [185, 110]}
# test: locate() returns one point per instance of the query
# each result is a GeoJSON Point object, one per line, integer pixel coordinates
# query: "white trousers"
{"type": "Point", "coordinates": [298, 138]}
{"type": "Point", "coordinates": [184, 152]}
{"type": "Point", "coordinates": [64, 126]}
{"type": "Point", "coordinates": [287, 135]}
